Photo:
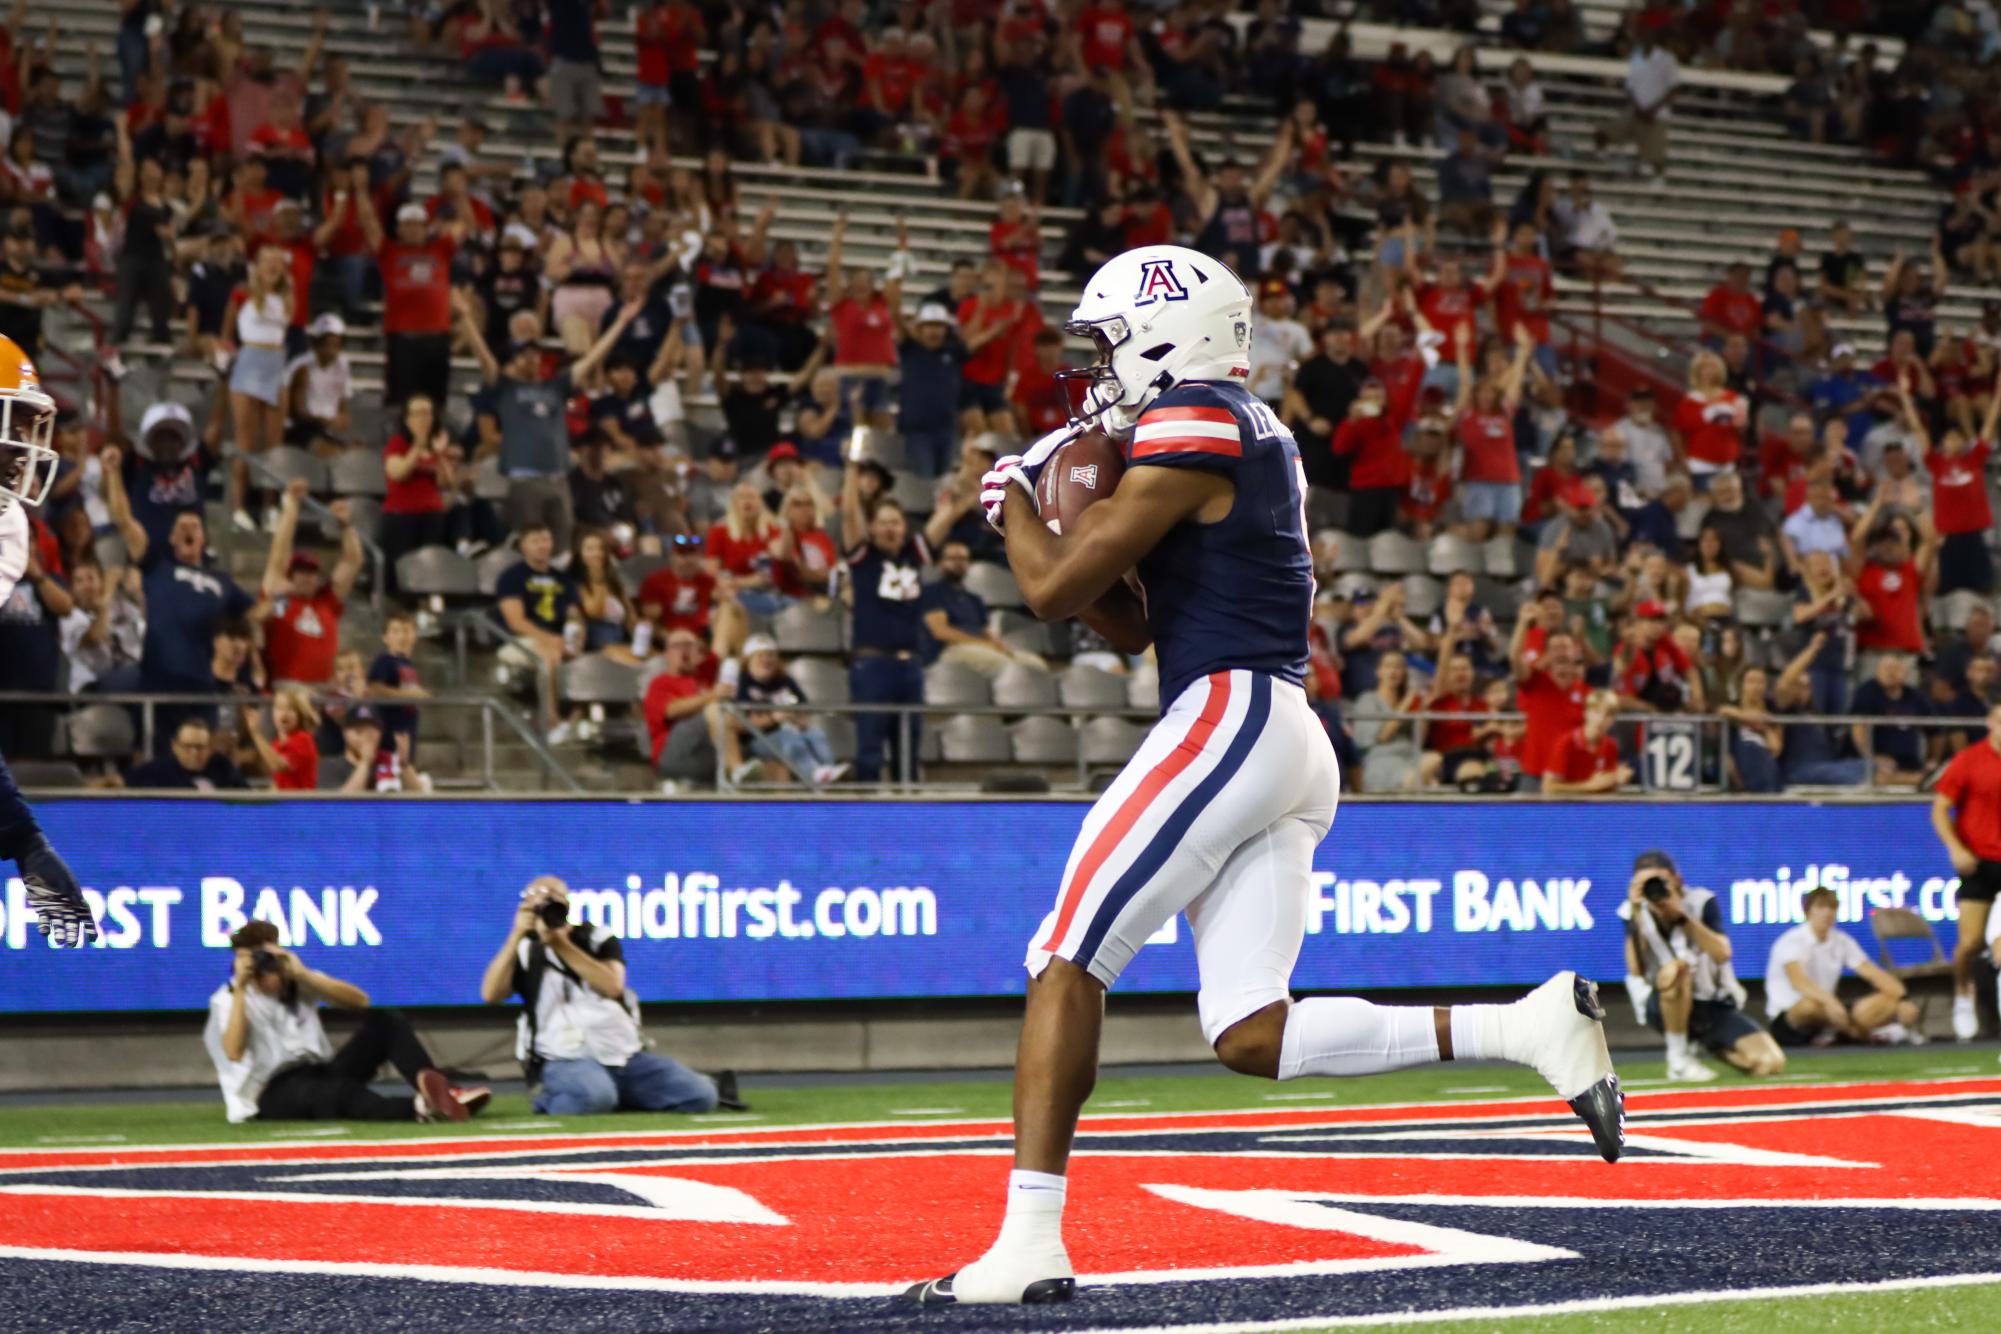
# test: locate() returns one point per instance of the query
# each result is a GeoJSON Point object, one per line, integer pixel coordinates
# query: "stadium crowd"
{"type": "Point", "coordinates": [1572, 551]}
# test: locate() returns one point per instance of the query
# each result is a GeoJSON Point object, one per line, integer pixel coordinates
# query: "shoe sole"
{"type": "Point", "coordinates": [1602, 1107]}
{"type": "Point", "coordinates": [475, 1100]}
{"type": "Point", "coordinates": [938, 1292]}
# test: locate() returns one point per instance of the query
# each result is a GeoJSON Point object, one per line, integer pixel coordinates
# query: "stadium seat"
{"type": "Point", "coordinates": [1499, 558]}
{"type": "Point", "coordinates": [494, 564]}
{"type": "Point", "coordinates": [1422, 595]}
{"type": "Point", "coordinates": [994, 583]}
{"type": "Point", "coordinates": [437, 571]}
{"type": "Point", "coordinates": [1763, 607]}
{"type": "Point", "coordinates": [47, 775]}
{"type": "Point", "coordinates": [1143, 690]}
{"type": "Point", "coordinates": [1043, 740]}
{"type": "Point", "coordinates": [1084, 687]}
{"type": "Point", "coordinates": [1501, 599]}
{"type": "Point", "coordinates": [1110, 740]}
{"type": "Point", "coordinates": [487, 483]}
{"type": "Point", "coordinates": [915, 494]}
{"type": "Point", "coordinates": [1454, 555]}
{"type": "Point", "coordinates": [1394, 553]}
{"type": "Point", "coordinates": [953, 685]}
{"type": "Point", "coordinates": [1952, 610]}
{"type": "Point", "coordinates": [964, 739]}
{"type": "Point", "coordinates": [1018, 630]}
{"type": "Point", "coordinates": [823, 680]}
{"type": "Point", "coordinates": [1351, 553]}
{"type": "Point", "coordinates": [596, 679]}
{"type": "Point", "coordinates": [1348, 585]}
{"type": "Point", "coordinates": [365, 513]}
{"type": "Point", "coordinates": [802, 628]}
{"type": "Point", "coordinates": [102, 731]}
{"type": "Point", "coordinates": [1018, 687]}
{"type": "Point", "coordinates": [287, 463]}
{"type": "Point", "coordinates": [333, 771]}
{"type": "Point", "coordinates": [634, 569]}
{"type": "Point", "coordinates": [358, 472]}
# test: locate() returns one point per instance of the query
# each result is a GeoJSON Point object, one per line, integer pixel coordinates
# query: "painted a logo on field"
{"type": "Point", "coordinates": [1158, 282]}
{"type": "Point", "coordinates": [850, 1211]}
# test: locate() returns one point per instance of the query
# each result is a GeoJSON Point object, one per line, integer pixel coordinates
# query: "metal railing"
{"type": "Point", "coordinates": [498, 724]}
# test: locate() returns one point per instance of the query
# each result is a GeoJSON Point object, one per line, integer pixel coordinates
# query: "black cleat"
{"type": "Point", "coordinates": [1043, 1292]}
{"type": "Point", "coordinates": [727, 1096]}
{"type": "Point", "coordinates": [1603, 1108]}
{"type": "Point", "coordinates": [1562, 1025]}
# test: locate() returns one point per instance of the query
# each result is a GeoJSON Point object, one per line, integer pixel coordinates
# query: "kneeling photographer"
{"type": "Point", "coordinates": [275, 1063]}
{"type": "Point", "coordinates": [1680, 977]}
{"type": "Point", "coordinates": [579, 1033]}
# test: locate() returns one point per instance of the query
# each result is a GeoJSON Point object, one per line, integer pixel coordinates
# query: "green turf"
{"type": "Point", "coordinates": [192, 1122]}
{"type": "Point", "coordinates": [1969, 1307]}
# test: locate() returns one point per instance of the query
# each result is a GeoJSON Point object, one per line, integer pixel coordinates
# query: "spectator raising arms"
{"type": "Point", "coordinates": [1962, 512]}
{"type": "Point", "coordinates": [302, 630]}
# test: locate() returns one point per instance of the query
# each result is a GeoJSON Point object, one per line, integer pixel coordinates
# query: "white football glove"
{"type": "Point", "coordinates": [994, 485]}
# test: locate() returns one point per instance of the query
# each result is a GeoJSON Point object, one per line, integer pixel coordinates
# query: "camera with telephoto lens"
{"type": "Point", "coordinates": [1655, 888]}
{"type": "Point", "coordinates": [554, 912]}
{"type": "Point", "coordinates": [265, 961]}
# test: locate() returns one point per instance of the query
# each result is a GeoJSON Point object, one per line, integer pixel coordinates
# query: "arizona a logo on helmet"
{"type": "Point", "coordinates": [1159, 282]}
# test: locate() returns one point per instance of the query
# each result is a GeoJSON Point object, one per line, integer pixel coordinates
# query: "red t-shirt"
{"type": "Point", "coordinates": [863, 335]}
{"type": "Point", "coordinates": [1972, 783]}
{"type": "Point", "coordinates": [1893, 593]}
{"type": "Point", "coordinates": [1712, 431]}
{"type": "Point", "coordinates": [1429, 488]}
{"type": "Point", "coordinates": [668, 38]}
{"type": "Point", "coordinates": [1574, 759]}
{"type": "Point", "coordinates": [417, 493]}
{"type": "Point", "coordinates": [1552, 710]}
{"type": "Point", "coordinates": [1544, 488]}
{"type": "Point", "coordinates": [740, 556]}
{"type": "Point", "coordinates": [1959, 489]}
{"type": "Point", "coordinates": [684, 603]}
{"type": "Point", "coordinates": [1446, 736]}
{"type": "Point", "coordinates": [268, 138]}
{"type": "Point", "coordinates": [1040, 398]}
{"type": "Point", "coordinates": [1663, 662]}
{"type": "Point", "coordinates": [302, 762]}
{"type": "Point", "coordinates": [815, 554]}
{"type": "Point", "coordinates": [417, 286]}
{"type": "Point", "coordinates": [1402, 378]}
{"type": "Point", "coordinates": [1445, 309]}
{"type": "Point", "coordinates": [1733, 312]}
{"type": "Point", "coordinates": [784, 295]}
{"type": "Point", "coordinates": [664, 690]}
{"type": "Point", "coordinates": [1106, 34]}
{"type": "Point", "coordinates": [1488, 442]}
{"type": "Point", "coordinates": [347, 238]}
{"type": "Point", "coordinates": [976, 315]}
{"type": "Point", "coordinates": [257, 206]}
{"type": "Point", "coordinates": [1523, 296]}
{"type": "Point", "coordinates": [894, 76]}
{"type": "Point", "coordinates": [302, 636]}
{"type": "Point", "coordinates": [1016, 245]}
{"type": "Point", "coordinates": [1781, 472]}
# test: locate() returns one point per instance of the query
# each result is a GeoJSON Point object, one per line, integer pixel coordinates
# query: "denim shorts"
{"type": "Point", "coordinates": [1495, 502]}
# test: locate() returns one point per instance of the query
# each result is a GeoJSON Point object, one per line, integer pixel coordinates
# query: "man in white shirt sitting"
{"type": "Point", "coordinates": [579, 1031]}
{"type": "Point", "coordinates": [1803, 971]}
{"type": "Point", "coordinates": [275, 1063]}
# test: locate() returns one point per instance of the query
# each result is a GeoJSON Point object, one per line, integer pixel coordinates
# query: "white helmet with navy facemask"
{"type": "Point", "coordinates": [1158, 316]}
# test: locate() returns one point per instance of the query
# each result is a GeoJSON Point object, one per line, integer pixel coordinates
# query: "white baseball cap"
{"type": "Point", "coordinates": [323, 325]}
{"type": "Point", "coordinates": [934, 312]}
{"type": "Point", "coordinates": [412, 213]}
{"type": "Point", "coordinates": [759, 644]}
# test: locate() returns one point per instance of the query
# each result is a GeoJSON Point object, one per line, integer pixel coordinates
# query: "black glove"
{"type": "Point", "coordinates": [61, 913]}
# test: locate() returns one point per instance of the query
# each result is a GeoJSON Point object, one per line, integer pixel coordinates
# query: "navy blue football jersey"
{"type": "Point", "coordinates": [1237, 593]}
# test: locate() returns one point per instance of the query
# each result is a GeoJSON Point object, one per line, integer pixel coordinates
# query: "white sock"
{"type": "Point", "coordinates": [1677, 1047]}
{"type": "Point", "coordinates": [1339, 1035]}
{"type": "Point", "coordinates": [1034, 1219]}
{"type": "Point", "coordinates": [1481, 1032]}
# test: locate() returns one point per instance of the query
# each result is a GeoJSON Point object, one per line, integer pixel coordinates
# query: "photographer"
{"type": "Point", "coordinates": [579, 1029]}
{"type": "Point", "coordinates": [273, 1059]}
{"type": "Point", "coordinates": [1675, 942]}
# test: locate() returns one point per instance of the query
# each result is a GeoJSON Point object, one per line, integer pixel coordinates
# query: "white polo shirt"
{"type": "Point", "coordinates": [280, 1035]}
{"type": "Point", "coordinates": [1823, 960]}
{"type": "Point", "coordinates": [1652, 76]}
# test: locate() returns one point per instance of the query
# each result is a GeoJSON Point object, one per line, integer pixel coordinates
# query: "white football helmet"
{"type": "Point", "coordinates": [27, 426]}
{"type": "Point", "coordinates": [1158, 315]}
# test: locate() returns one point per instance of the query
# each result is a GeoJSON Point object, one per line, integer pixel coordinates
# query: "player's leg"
{"type": "Point", "coordinates": [1149, 846]}
{"type": "Point", "coordinates": [1874, 1010]}
{"type": "Point", "coordinates": [1973, 914]}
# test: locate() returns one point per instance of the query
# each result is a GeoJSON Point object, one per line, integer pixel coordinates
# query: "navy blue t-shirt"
{"type": "Point", "coordinates": [889, 596]}
{"type": "Point", "coordinates": [546, 597]}
{"type": "Point", "coordinates": [1906, 745]}
{"type": "Point", "coordinates": [184, 604]}
{"type": "Point", "coordinates": [573, 31]}
{"type": "Point", "coordinates": [30, 647]}
{"type": "Point", "coordinates": [930, 391]}
{"type": "Point", "coordinates": [391, 669]}
{"type": "Point", "coordinates": [963, 608]}
{"type": "Point", "coordinates": [158, 495]}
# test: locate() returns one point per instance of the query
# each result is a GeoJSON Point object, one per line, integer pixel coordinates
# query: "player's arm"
{"type": "Point", "coordinates": [1880, 978]}
{"type": "Point", "coordinates": [1062, 576]}
{"type": "Point", "coordinates": [1963, 860]}
{"type": "Point", "coordinates": [1119, 617]}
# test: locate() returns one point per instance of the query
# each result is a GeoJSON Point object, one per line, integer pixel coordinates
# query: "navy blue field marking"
{"type": "Point", "coordinates": [1624, 1253]}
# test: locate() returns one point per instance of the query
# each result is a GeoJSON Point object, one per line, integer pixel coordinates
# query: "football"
{"type": "Point", "coordinates": [1078, 476]}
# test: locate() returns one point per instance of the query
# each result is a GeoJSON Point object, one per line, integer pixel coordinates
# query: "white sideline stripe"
{"type": "Point", "coordinates": [324, 1132]}
{"type": "Point", "coordinates": [1124, 1102]}
{"type": "Point", "coordinates": [1170, 430]}
{"type": "Point", "coordinates": [611, 1138]}
{"type": "Point", "coordinates": [925, 1111]}
{"type": "Point", "coordinates": [662, 1210]}
{"type": "Point", "coordinates": [1579, 1306]}
{"type": "Point", "coordinates": [449, 1274]}
{"type": "Point", "coordinates": [1588, 1202]}
{"type": "Point", "coordinates": [1478, 1088]}
{"type": "Point", "coordinates": [79, 1139]}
